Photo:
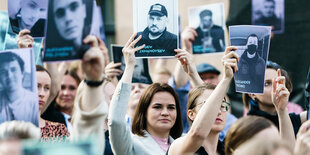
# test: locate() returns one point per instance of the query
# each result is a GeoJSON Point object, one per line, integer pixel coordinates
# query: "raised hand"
{"type": "Point", "coordinates": [104, 51]}
{"type": "Point", "coordinates": [280, 94]}
{"type": "Point", "coordinates": [129, 50]}
{"type": "Point", "coordinates": [111, 70]}
{"type": "Point", "coordinates": [186, 60]}
{"type": "Point", "coordinates": [229, 61]}
{"type": "Point", "coordinates": [93, 60]}
{"type": "Point", "coordinates": [188, 36]}
{"type": "Point", "coordinates": [24, 40]}
{"type": "Point", "coordinates": [302, 145]}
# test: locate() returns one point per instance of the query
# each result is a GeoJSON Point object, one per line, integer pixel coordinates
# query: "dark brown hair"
{"type": "Point", "coordinates": [244, 129]}
{"type": "Point", "coordinates": [42, 69]}
{"type": "Point", "coordinates": [139, 120]}
{"type": "Point", "coordinates": [271, 65]}
{"type": "Point", "coordinates": [194, 94]}
{"type": "Point", "coordinates": [74, 76]}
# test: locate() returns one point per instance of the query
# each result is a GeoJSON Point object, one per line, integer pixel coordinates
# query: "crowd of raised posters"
{"type": "Point", "coordinates": [68, 22]}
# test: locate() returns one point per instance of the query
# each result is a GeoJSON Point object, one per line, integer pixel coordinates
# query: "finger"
{"type": "Point", "coordinates": [233, 65]}
{"type": "Point", "coordinates": [280, 80]}
{"type": "Point", "coordinates": [304, 127]}
{"type": "Point", "coordinates": [130, 39]}
{"type": "Point", "coordinates": [231, 60]}
{"type": "Point", "coordinates": [135, 41]}
{"type": "Point", "coordinates": [193, 32]}
{"type": "Point", "coordinates": [23, 32]}
{"type": "Point", "coordinates": [229, 49]}
{"type": "Point", "coordinates": [274, 86]}
{"type": "Point", "coordinates": [283, 93]}
{"type": "Point", "coordinates": [92, 40]}
{"type": "Point", "coordinates": [92, 53]}
{"type": "Point", "coordinates": [139, 48]}
{"type": "Point", "coordinates": [101, 43]}
{"type": "Point", "coordinates": [280, 87]}
{"type": "Point", "coordinates": [179, 50]}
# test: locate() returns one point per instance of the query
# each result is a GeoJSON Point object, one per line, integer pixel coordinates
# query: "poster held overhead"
{"type": "Point", "coordinates": [253, 48]}
{"type": "Point", "coordinates": [69, 22]}
{"type": "Point", "coordinates": [157, 22]}
{"type": "Point", "coordinates": [141, 72]}
{"type": "Point", "coordinates": [209, 24]}
{"type": "Point", "coordinates": [18, 86]}
{"type": "Point", "coordinates": [28, 14]}
{"type": "Point", "coordinates": [269, 13]}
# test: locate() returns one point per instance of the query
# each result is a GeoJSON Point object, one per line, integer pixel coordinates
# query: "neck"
{"type": "Point", "coordinates": [14, 95]}
{"type": "Point", "coordinates": [67, 111]}
{"type": "Point", "coordinates": [210, 143]}
{"type": "Point", "coordinates": [41, 122]}
{"type": "Point", "coordinates": [159, 134]}
{"type": "Point", "coordinates": [270, 109]}
{"type": "Point", "coordinates": [251, 55]}
{"type": "Point", "coordinates": [152, 37]}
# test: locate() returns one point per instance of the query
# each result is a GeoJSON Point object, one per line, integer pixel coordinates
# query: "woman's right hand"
{"type": "Point", "coordinates": [129, 50]}
{"type": "Point", "coordinates": [24, 40]}
{"type": "Point", "coordinates": [111, 70]}
{"type": "Point", "coordinates": [229, 61]}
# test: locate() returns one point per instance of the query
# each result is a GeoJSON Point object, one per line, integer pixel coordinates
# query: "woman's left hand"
{"type": "Point", "coordinates": [280, 93]}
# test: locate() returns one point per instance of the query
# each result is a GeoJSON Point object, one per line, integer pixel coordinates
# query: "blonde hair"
{"type": "Point", "coordinates": [18, 130]}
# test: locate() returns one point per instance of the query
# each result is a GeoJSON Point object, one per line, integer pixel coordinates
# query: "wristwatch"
{"type": "Point", "coordinates": [93, 83]}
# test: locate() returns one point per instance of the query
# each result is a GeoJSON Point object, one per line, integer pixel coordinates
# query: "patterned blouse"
{"type": "Point", "coordinates": [54, 132]}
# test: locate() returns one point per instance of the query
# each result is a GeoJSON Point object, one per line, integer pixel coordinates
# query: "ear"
{"type": "Point", "coordinates": [191, 114]}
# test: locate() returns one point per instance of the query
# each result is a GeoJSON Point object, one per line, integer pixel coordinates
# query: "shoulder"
{"type": "Point", "coordinates": [170, 35]}
{"type": "Point", "coordinates": [175, 146]}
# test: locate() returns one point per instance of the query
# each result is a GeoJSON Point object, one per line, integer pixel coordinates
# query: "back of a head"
{"type": "Point", "coordinates": [244, 129]}
{"type": "Point", "coordinates": [262, 146]}
{"type": "Point", "coordinates": [18, 130]}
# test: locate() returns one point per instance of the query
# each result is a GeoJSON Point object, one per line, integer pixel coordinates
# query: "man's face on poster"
{"type": "Point", "coordinates": [157, 24]}
{"type": "Point", "coordinates": [206, 22]}
{"type": "Point", "coordinates": [252, 44]}
{"type": "Point", "coordinates": [268, 9]}
{"type": "Point", "coordinates": [31, 11]}
{"type": "Point", "coordinates": [69, 17]}
{"type": "Point", "coordinates": [11, 76]}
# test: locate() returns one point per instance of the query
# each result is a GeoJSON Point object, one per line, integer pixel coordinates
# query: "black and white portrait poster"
{"type": "Point", "coordinates": [69, 22]}
{"type": "Point", "coordinates": [141, 72]}
{"type": "Point", "coordinates": [11, 43]}
{"type": "Point", "coordinates": [28, 14]}
{"type": "Point", "coordinates": [18, 86]}
{"type": "Point", "coordinates": [97, 28]}
{"type": "Point", "coordinates": [253, 48]}
{"type": "Point", "coordinates": [157, 22]}
{"type": "Point", "coordinates": [209, 23]}
{"type": "Point", "coordinates": [269, 13]}
{"type": "Point", "coordinates": [4, 22]}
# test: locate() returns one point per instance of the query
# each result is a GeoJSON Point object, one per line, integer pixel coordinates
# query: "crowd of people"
{"type": "Point", "coordinates": [186, 112]}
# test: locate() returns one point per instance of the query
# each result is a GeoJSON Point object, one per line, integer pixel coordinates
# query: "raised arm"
{"type": "Point", "coordinates": [280, 96]}
{"type": "Point", "coordinates": [120, 134]}
{"type": "Point", "coordinates": [206, 116]}
{"type": "Point", "coordinates": [90, 108]}
{"type": "Point", "coordinates": [189, 67]}
{"type": "Point", "coordinates": [188, 35]}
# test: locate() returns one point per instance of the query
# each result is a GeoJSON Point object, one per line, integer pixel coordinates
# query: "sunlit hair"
{"type": "Point", "coordinates": [194, 94]}
{"type": "Point", "coordinates": [139, 121]}
{"type": "Point", "coordinates": [244, 129]}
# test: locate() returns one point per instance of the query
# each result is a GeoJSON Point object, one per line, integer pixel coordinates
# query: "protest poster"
{"type": "Point", "coordinates": [253, 49]}
{"type": "Point", "coordinates": [209, 24]}
{"type": "Point", "coordinates": [18, 86]}
{"type": "Point", "coordinates": [69, 22]}
{"type": "Point", "coordinates": [141, 72]}
{"type": "Point", "coordinates": [28, 14]}
{"type": "Point", "coordinates": [157, 22]}
{"type": "Point", "coordinates": [269, 13]}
